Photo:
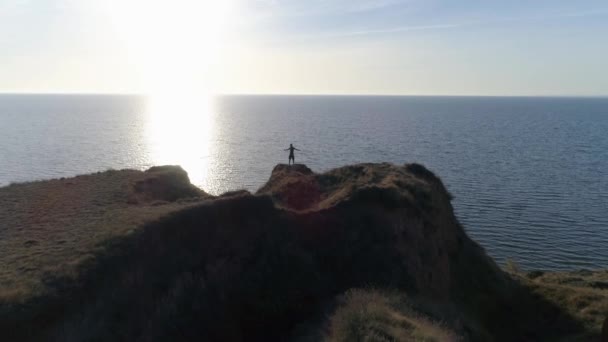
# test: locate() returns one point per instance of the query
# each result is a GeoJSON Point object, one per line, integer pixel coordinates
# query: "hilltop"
{"type": "Point", "coordinates": [49, 228]}
{"type": "Point", "coordinates": [367, 251]}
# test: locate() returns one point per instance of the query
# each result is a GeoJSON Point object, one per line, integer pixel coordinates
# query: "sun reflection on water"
{"type": "Point", "coordinates": [180, 131]}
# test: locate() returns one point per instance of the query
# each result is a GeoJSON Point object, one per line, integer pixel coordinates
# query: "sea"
{"type": "Point", "coordinates": [529, 175]}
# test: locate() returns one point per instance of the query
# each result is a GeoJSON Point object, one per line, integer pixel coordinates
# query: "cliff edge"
{"type": "Point", "coordinates": [407, 203]}
{"type": "Point", "coordinates": [361, 252]}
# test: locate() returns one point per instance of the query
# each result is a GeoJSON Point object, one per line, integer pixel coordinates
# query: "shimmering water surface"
{"type": "Point", "coordinates": [529, 175]}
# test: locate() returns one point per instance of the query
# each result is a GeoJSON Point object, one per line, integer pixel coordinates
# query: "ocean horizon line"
{"type": "Point", "coordinates": [306, 95]}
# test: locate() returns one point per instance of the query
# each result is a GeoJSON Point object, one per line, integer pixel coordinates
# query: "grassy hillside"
{"type": "Point", "coordinates": [373, 315]}
{"type": "Point", "coordinates": [578, 297]}
{"type": "Point", "coordinates": [582, 294]}
{"type": "Point", "coordinates": [52, 229]}
{"type": "Point", "coordinates": [368, 252]}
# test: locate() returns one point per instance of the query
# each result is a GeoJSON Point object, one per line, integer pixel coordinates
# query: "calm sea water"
{"type": "Point", "coordinates": [529, 175]}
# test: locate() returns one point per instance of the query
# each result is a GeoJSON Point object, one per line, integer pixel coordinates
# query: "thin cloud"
{"type": "Point", "coordinates": [366, 6]}
{"type": "Point", "coordinates": [400, 29]}
{"type": "Point", "coordinates": [394, 30]}
{"type": "Point", "coordinates": [297, 8]}
{"type": "Point", "coordinates": [589, 13]}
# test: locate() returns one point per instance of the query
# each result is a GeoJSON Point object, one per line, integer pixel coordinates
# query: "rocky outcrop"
{"type": "Point", "coordinates": [410, 204]}
{"type": "Point", "coordinates": [164, 183]}
{"type": "Point", "coordinates": [258, 266]}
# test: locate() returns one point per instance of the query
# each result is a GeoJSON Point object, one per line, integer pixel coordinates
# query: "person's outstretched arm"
{"type": "Point", "coordinates": [296, 149]}
{"type": "Point", "coordinates": [286, 149]}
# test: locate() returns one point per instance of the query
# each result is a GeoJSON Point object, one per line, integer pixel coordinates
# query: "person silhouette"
{"type": "Point", "coordinates": [291, 156]}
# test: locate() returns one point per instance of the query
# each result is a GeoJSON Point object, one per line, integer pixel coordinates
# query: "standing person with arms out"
{"type": "Point", "coordinates": [291, 156]}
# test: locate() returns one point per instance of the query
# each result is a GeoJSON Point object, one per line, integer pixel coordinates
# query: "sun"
{"type": "Point", "coordinates": [174, 45]}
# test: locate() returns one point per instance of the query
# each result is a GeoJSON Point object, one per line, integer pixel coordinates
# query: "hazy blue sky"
{"type": "Point", "coordinates": [463, 47]}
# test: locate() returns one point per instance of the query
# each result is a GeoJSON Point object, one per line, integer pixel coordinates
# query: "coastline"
{"type": "Point", "coordinates": [59, 230]}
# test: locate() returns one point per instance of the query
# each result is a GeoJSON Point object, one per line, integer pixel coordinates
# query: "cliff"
{"type": "Point", "coordinates": [368, 251]}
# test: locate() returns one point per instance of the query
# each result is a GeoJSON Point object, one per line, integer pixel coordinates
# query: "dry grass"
{"type": "Point", "coordinates": [253, 264]}
{"type": "Point", "coordinates": [50, 228]}
{"type": "Point", "coordinates": [298, 188]}
{"type": "Point", "coordinates": [224, 269]}
{"type": "Point", "coordinates": [372, 315]}
{"type": "Point", "coordinates": [582, 294]}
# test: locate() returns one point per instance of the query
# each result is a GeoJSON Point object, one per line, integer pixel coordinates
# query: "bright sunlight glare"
{"type": "Point", "coordinates": [185, 139]}
{"type": "Point", "coordinates": [175, 46]}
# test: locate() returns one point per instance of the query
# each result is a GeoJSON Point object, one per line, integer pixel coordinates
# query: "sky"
{"type": "Point", "coordinates": [396, 47]}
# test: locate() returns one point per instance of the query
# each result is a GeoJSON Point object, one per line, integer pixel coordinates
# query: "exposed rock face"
{"type": "Point", "coordinates": [294, 187]}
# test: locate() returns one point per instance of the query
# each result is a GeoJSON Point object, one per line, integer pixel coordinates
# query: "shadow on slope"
{"type": "Point", "coordinates": [247, 267]}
